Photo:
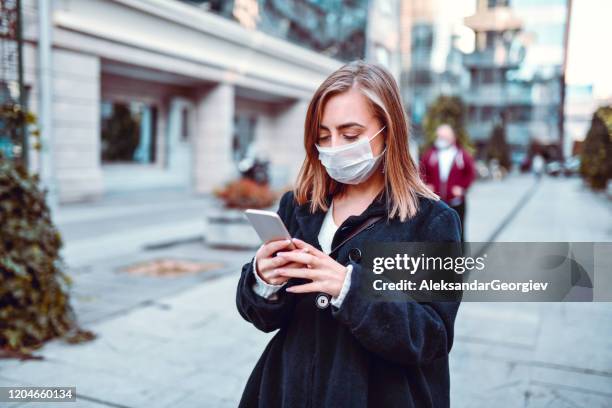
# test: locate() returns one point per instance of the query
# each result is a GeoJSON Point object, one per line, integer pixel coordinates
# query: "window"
{"type": "Point", "coordinates": [128, 132]}
{"type": "Point", "coordinates": [488, 76]}
{"type": "Point", "coordinates": [244, 135]}
{"type": "Point", "coordinates": [421, 77]}
{"type": "Point", "coordinates": [491, 39]}
{"type": "Point", "coordinates": [422, 37]}
{"type": "Point", "coordinates": [185, 124]}
{"type": "Point", "coordinates": [473, 78]}
{"type": "Point", "coordinates": [498, 3]}
{"type": "Point", "coordinates": [488, 113]}
{"type": "Point", "coordinates": [519, 113]}
{"type": "Point", "coordinates": [473, 113]}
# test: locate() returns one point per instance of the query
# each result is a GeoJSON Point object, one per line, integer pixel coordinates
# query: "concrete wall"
{"type": "Point", "coordinates": [76, 121]}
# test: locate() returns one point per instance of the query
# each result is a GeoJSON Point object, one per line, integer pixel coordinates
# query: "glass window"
{"type": "Point", "coordinates": [244, 135]}
{"type": "Point", "coordinates": [521, 113]}
{"type": "Point", "coordinates": [185, 124]}
{"type": "Point", "coordinates": [335, 28]}
{"type": "Point", "coordinates": [491, 39]}
{"type": "Point", "coordinates": [488, 113]}
{"type": "Point", "coordinates": [488, 76]}
{"type": "Point", "coordinates": [497, 3]}
{"type": "Point", "coordinates": [473, 113]}
{"type": "Point", "coordinates": [421, 77]}
{"type": "Point", "coordinates": [128, 132]}
{"type": "Point", "coordinates": [422, 37]}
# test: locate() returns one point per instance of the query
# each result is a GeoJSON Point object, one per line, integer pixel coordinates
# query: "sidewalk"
{"type": "Point", "coordinates": [125, 223]}
{"type": "Point", "coordinates": [180, 342]}
{"type": "Point", "coordinates": [539, 354]}
{"type": "Point", "coordinates": [491, 203]}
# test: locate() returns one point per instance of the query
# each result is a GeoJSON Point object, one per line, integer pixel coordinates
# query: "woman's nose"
{"type": "Point", "coordinates": [336, 140]}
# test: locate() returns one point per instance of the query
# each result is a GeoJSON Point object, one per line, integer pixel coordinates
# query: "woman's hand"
{"type": "Point", "coordinates": [267, 262]}
{"type": "Point", "coordinates": [326, 274]}
{"type": "Point", "coordinates": [457, 191]}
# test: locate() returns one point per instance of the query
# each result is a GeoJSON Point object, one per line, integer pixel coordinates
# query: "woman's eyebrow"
{"type": "Point", "coordinates": [344, 126]}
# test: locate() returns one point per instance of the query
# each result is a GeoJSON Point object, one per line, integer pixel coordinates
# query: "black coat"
{"type": "Point", "coordinates": [366, 353]}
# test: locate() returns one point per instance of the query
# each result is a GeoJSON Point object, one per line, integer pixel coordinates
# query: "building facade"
{"type": "Point", "coordinates": [432, 62]}
{"type": "Point", "coordinates": [151, 94]}
{"type": "Point", "coordinates": [512, 72]}
{"type": "Point", "coordinates": [516, 70]}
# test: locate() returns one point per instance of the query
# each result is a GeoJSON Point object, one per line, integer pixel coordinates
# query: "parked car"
{"type": "Point", "coordinates": [571, 166]}
{"type": "Point", "coordinates": [554, 168]}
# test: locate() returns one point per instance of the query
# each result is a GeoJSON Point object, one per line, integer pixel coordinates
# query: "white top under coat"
{"type": "Point", "coordinates": [446, 157]}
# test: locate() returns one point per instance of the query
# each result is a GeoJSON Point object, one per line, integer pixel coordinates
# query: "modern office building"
{"type": "Point", "coordinates": [516, 70]}
{"type": "Point", "coordinates": [343, 30]}
{"type": "Point", "coordinates": [514, 67]}
{"type": "Point", "coordinates": [152, 94]}
{"type": "Point", "coordinates": [432, 63]}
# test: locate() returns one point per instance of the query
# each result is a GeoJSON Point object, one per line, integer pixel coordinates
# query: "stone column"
{"type": "Point", "coordinates": [287, 142]}
{"type": "Point", "coordinates": [76, 126]}
{"type": "Point", "coordinates": [213, 165]}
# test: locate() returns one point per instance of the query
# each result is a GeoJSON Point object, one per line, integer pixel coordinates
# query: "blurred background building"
{"type": "Point", "coordinates": [432, 62]}
{"type": "Point", "coordinates": [173, 94]}
{"type": "Point", "coordinates": [512, 73]}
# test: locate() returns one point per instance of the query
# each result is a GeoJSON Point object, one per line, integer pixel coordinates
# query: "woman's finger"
{"type": "Point", "coordinates": [279, 261]}
{"type": "Point", "coordinates": [277, 281]}
{"type": "Point", "coordinates": [305, 245]}
{"type": "Point", "coordinates": [269, 248]}
{"type": "Point", "coordinates": [294, 265]}
{"type": "Point", "coordinates": [303, 273]}
{"type": "Point", "coordinates": [302, 257]}
{"type": "Point", "coordinates": [305, 288]}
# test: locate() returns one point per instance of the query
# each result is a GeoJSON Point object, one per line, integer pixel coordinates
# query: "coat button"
{"type": "Point", "coordinates": [322, 301]}
{"type": "Point", "coordinates": [355, 255]}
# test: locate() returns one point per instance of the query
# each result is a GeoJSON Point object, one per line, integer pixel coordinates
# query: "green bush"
{"type": "Point", "coordinates": [596, 157]}
{"type": "Point", "coordinates": [34, 304]}
{"type": "Point", "coordinates": [121, 135]}
{"type": "Point", "coordinates": [449, 110]}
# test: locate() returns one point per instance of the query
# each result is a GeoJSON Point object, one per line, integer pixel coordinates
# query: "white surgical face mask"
{"type": "Point", "coordinates": [351, 163]}
{"type": "Point", "coordinates": [442, 144]}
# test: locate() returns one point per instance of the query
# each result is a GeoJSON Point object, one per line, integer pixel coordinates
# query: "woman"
{"type": "Point", "coordinates": [350, 351]}
{"type": "Point", "coordinates": [448, 169]}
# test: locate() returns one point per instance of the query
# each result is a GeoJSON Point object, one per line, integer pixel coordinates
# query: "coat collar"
{"type": "Point", "coordinates": [310, 223]}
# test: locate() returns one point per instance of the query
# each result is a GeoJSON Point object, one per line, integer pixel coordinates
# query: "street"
{"type": "Point", "coordinates": [179, 341]}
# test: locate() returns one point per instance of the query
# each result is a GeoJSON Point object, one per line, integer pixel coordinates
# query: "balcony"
{"type": "Point", "coordinates": [495, 19]}
{"type": "Point", "coordinates": [499, 94]}
{"type": "Point", "coordinates": [497, 57]}
{"type": "Point", "coordinates": [517, 133]}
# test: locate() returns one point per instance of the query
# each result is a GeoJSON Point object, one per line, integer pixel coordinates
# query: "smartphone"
{"type": "Point", "coordinates": [268, 225]}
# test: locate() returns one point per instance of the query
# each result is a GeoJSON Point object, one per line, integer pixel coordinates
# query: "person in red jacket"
{"type": "Point", "coordinates": [448, 169]}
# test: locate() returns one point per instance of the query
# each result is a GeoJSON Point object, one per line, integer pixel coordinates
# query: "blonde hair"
{"type": "Point", "coordinates": [402, 181]}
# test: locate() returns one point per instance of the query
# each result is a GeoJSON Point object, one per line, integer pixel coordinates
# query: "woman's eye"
{"type": "Point", "coordinates": [351, 137]}
{"type": "Point", "coordinates": [323, 138]}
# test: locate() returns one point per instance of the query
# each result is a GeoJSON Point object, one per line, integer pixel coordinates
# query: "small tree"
{"type": "Point", "coordinates": [596, 157]}
{"type": "Point", "coordinates": [497, 148]}
{"type": "Point", "coordinates": [121, 135]}
{"type": "Point", "coordinates": [34, 304]}
{"type": "Point", "coordinates": [449, 110]}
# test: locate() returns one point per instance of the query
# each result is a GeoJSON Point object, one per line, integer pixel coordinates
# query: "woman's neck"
{"type": "Point", "coordinates": [370, 188]}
